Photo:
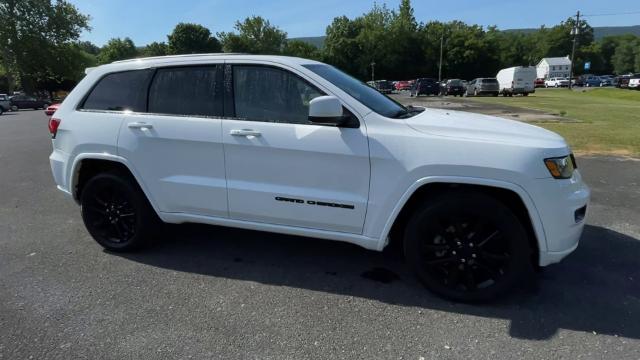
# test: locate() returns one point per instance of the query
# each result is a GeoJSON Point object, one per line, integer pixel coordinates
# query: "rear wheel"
{"type": "Point", "coordinates": [467, 247]}
{"type": "Point", "coordinates": [116, 212]}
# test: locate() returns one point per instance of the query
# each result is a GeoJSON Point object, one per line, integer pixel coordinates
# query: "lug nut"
{"type": "Point", "coordinates": [473, 255]}
{"type": "Point", "coordinates": [453, 252]}
{"type": "Point", "coordinates": [463, 260]}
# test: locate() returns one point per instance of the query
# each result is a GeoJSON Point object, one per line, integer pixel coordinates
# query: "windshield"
{"type": "Point", "coordinates": [368, 96]}
{"type": "Point", "coordinates": [455, 82]}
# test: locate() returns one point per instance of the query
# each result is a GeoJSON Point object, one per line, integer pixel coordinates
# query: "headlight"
{"type": "Point", "coordinates": [561, 167]}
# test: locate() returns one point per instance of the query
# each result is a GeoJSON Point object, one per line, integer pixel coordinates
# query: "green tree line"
{"type": "Point", "coordinates": [40, 50]}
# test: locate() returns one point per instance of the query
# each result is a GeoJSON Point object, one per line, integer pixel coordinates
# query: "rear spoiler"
{"type": "Point", "coordinates": [88, 70]}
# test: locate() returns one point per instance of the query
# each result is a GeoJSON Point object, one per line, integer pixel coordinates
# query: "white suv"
{"type": "Point", "coordinates": [295, 146]}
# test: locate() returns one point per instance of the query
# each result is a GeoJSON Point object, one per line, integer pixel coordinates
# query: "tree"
{"type": "Point", "coordinates": [341, 44]}
{"type": "Point", "coordinates": [302, 49]}
{"type": "Point", "coordinates": [32, 32]}
{"type": "Point", "coordinates": [624, 58]}
{"type": "Point", "coordinates": [155, 49]}
{"type": "Point", "coordinates": [117, 49]}
{"type": "Point", "coordinates": [189, 38]}
{"type": "Point", "coordinates": [89, 47]}
{"type": "Point", "coordinates": [255, 35]}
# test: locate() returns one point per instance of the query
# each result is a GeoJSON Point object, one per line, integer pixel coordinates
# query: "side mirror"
{"type": "Point", "coordinates": [327, 110]}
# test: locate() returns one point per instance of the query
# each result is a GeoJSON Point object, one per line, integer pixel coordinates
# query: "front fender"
{"type": "Point", "coordinates": [534, 216]}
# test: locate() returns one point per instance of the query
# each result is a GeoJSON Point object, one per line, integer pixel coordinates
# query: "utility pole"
{"type": "Point", "coordinates": [574, 31]}
{"type": "Point", "coordinates": [373, 70]}
{"type": "Point", "coordinates": [440, 65]}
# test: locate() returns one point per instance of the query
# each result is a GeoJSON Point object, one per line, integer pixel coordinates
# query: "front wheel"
{"type": "Point", "coordinates": [467, 247]}
{"type": "Point", "coordinates": [116, 212]}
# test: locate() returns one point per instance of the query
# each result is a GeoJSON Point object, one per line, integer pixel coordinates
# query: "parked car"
{"type": "Point", "coordinates": [28, 102]}
{"type": "Point", "coordinates": [539, 82]}
{"type": "Point", "coordinates": [634, 83]}
{"type": "Point", "coordinates": [517, 80]}
{"type": "Point", "coordinates": [403, 85]}
{"type": "Point", "coordinates": [593, 81]}
{"type": "Point", "coordinates": [452, 87]}
{"type": "Point", "coordinates": [476, 200]}
{"type": "Point", "coordinates": [606, 80]}
{"type": "Point", "coordinates": [51, 109]}
{"type": "Point", "coordinates": [425, 86]}
{"type": "Point", "coordinates": [483, 86]}
{"type": "Point", "coordinates": [556, 82]}
{"type": "Point", "coordinates": [5, 103]}
{"type": "Point", "coordinates": [622, 81]}
{"type": "Point", "coordinates": [384, 86]}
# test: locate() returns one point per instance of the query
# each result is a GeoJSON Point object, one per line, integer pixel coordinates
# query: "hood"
{"type": "Point", "coordinates": [466, 125]}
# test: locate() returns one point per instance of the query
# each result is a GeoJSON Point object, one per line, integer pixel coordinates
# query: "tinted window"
{"type": "Point", "coordinates": [268, 94]}
{"type": "Point", "coordinates": [489, 81]}
{"type": "Point", "coordinates": [368, 96]}
{"type": "Point", "coordinates": [120, 91]}
{"type": "Point", "coordinates": [187, 91]}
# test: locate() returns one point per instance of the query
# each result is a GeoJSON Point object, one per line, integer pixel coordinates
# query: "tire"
{"type": "Point", "coordinates": [1, 110]}
{"type": "Point", "coordinates": [525, 94]}
{"type": "Point", "coordinates": [14, 108]}
{"type": "Point", "coordinates": [439, 247]}
{"type": "Point", "coordinates": [45, 106]}
{"type": "Point", "coordinates": [116, 212]}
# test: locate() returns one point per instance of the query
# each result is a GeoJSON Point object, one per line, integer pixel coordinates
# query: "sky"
{"type": "Point", "coordinates": [145, 21]}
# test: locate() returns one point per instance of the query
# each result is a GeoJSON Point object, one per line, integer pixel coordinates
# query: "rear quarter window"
{"type": "Point", "coordinates": [120, 91]}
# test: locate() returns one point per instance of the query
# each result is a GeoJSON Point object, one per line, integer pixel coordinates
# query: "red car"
{"type": "Point", "coordinates": [51, 109]}
{"type": "Point", "coordinates": [538, 83]}
{"type": "Point", "coordinates": [403, 85]}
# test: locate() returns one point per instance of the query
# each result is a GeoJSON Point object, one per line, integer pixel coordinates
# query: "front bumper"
{"type": "Point", "coordinates": [563, 207]}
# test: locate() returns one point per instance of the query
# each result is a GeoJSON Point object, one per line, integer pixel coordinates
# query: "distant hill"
{"type": "Point", "coordinates": [598, 32]}
{"type": "Point", "coordinates": [317, 41]}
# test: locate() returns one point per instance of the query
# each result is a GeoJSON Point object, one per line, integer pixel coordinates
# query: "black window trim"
{"type": "Point", "coordinates": [228, 106]}
{"type": "Point", "coordinates": [154, 69]}
{"type": "Point", "coordinates": [230, 103]}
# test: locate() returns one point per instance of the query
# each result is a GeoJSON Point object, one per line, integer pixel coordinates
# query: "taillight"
{"type": "Point", "coordinates": [53, 126]}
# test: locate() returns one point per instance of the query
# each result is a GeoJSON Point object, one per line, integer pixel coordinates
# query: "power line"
{"type": "Point", "coordinates": [613, 14]}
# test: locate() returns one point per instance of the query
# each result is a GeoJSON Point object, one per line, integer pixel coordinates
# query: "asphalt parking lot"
{"type": "Point", "coordinates": [212, 292]}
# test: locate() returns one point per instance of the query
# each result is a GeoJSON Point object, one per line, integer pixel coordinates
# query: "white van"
{"type": "Point", "coordinates": [517, 80]}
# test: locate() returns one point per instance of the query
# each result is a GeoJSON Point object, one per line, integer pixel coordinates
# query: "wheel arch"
{"type": "Point", "coordinates": [87, 165]}
{"type": "Point", "coordinates": [512, 195]}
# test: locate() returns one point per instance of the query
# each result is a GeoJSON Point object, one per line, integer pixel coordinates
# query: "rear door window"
{"type": "Point", "coordinates": [190, 91]}
{"type": "Point", "coordinates": [120, 91]}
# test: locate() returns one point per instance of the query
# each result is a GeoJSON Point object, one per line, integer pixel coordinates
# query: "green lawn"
{"type": "Point", "coordinates": [608, 119]}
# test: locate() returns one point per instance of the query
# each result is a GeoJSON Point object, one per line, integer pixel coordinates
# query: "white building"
{"type": "Point", "coordinates": [554, 67]}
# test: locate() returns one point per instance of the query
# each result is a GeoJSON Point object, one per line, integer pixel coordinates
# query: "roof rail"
{"type": "Point", "coordinates": [175, 56]}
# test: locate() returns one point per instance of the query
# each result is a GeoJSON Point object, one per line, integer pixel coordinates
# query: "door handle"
{"type": "Point", "coordinates": [245, 132]}
{"type": "Point", "coordinates": [139, 125]}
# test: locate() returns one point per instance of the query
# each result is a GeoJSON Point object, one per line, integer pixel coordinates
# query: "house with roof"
{"type": "Point", "coordinates": [554, 67]}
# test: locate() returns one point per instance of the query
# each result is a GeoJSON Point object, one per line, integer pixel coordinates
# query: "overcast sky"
{"type": "Point", "coordinates": [146, 21]}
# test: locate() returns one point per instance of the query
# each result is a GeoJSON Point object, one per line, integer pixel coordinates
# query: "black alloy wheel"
{"type": "Point", "coordinates": [116, 213]}
{"type": "Point", "coordinates": [467, 247]}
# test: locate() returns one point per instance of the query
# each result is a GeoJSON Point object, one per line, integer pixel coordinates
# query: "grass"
{"type": "Point", "coordinates": [608, 120]}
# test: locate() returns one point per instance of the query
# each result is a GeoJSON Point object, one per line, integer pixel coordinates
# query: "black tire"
{"type": "Point", "coordinates": [1, 110]}
{"type": "Point", "coordinates": [116, 212]}
{"type": "Point", "coordinates": [439, 246]}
